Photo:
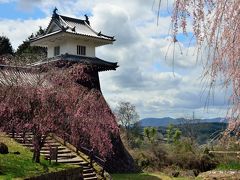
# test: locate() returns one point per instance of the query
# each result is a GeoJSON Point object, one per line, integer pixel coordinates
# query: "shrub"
{"type": "Point", "coordinates": [187, 155]}
{"type": "Point", "coordinates": [151, 158]}
{"type": "Point", "coordinates": [3, 148]}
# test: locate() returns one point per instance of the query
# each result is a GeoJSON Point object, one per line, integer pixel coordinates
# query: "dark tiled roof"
{"type": "Point", "coordinates": [73, 26]}
{"type": "Point", "coordinates": [24, 76]}
{"type": "Point", "coordinates": [97, 63]}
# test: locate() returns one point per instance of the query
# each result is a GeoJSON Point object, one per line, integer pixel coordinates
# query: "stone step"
{"type": "Point", "coordinates": [87, 175]}
{"type": "Point", "coordinates": [28, 145]}
{"type": "Point", "coordinates": [23, 142]}
{"type": "Point", "coordinates": [45, 148]}
{"type": "Point", "coordinates": [77, 164]}
{"type": "Point", "coordinates": [91, 178]}
{"type": "Point", "coordinates": [55, 144]}
{"type": "Point", "coordinates": [50, 141]}
{"type": "Point", "coordinates": [72, 160]}
{"type": "Point", "coordinates": [30, 140]}
{"type": "Point", "coordinates": [63, 151]}
{"type": "Point", "coordinates": [27, 133]}
{"type": "Point", "coordinates": [63, 156]}
{"type": "Point", "coordinates": [48, 138]}
{"type": "Point", "coordinates": [86, 167]}
{"type": "Point", "coordinates": [19, 136]}
{"type": "Point", "coordinates": [89, 170]}
{"type": "Point", "coordinates": [21, 139]}
{"type": "Point", "coordinates": [83, 163]}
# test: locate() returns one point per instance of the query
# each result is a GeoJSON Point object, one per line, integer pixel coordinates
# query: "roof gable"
{"type": "Point", "coordinates": [53, 27]}
{"type": "Point", "coordinates": [74, 26]}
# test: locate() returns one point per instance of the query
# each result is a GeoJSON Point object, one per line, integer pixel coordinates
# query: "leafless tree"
{"type": "Point", "coordinates": [126, 114]}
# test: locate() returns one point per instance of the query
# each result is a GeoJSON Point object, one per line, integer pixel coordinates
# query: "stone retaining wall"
{"type": "Point", "coordinates": [70, 174]}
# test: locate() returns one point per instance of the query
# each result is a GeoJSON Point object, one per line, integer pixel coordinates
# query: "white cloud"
{"type": "Point", "coordinates": [19, 30]}
{"type": "Point", "coordinates": [114, 19]}
{"type": "Point", "coordinates": [5, 1]}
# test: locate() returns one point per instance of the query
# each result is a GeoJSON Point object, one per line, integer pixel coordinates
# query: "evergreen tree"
{"type": "Point", "coordinates": [5, 46]}
{"type": "Point", "coordinates": [25, 47]}
{"type": "Point", "coordinates": [31, 53]}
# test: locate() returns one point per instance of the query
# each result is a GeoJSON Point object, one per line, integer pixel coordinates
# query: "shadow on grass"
{"type": "Point", "coordinates": [140, 176]}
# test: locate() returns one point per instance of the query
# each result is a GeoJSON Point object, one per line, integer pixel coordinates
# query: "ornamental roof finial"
{"type": "Point", "coordinates": [87, 21]}
{"type": "Point", "coordinates": [55, 12]}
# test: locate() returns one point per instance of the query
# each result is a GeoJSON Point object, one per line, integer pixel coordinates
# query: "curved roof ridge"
{"type": "Point", "coordinates": [73, 26]}
{"type": "Point", "coordinates": [98, 33]}
{"type": "Point", "coordinates": [90, 28]}
{"type": "Point", "coordinates": [63, 21]}
{"type": "Point", "coordinates": [72, 19]}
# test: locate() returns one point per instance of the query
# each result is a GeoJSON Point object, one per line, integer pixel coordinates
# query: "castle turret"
{"type": "Point", "coordinates": [72, 39]}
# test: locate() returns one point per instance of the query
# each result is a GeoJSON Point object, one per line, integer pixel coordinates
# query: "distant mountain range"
{"type": "Point", "coordinates": [165, 121]}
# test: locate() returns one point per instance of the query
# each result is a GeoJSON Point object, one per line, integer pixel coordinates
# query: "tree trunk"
{"type": "Point", "coordinates": [13, 132]}
{"type": "Point", "coordinates": [36, 156]}
{"type": "Point", "coordinates": [37, 147]}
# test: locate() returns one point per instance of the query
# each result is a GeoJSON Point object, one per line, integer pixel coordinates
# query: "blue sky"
{"type": "Point", "coordinates": [12, 10]}
{"type": "Point", "coordinates": [143, 50]}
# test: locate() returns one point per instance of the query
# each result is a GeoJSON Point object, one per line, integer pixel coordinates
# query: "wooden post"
{"type": "Point", "coordinates": [102, 173]}
{"type": "Point", "coordinates": [13, 132]}
{"type": "Point", "coordinates": [24, 138]}
{"type": "Point", "coordinates": [53, 154]}
{"type": "Point", "coordinates": [91, 158]}
{"type": "Point", "coordinates": [64, 139]}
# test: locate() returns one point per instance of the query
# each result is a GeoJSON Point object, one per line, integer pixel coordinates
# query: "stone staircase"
{"type": "Point", "coordinates": [64, 154]}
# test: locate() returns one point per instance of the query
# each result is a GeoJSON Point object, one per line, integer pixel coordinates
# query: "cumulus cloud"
{"type": "Point", "coordinates": [19, 30]}
{"type": "Point", "coordinates": [112, 18]}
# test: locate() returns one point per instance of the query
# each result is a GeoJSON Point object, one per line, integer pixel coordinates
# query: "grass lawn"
{"type": "Point", "coordinates": [233, 165]}
{"type": "Point", "coordinates": [21, 166]}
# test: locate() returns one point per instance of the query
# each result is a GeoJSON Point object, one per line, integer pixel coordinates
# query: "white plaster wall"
{"type": "Point", "coordinates": [50, 51]}
{"type": "Point", "coordinates": [64, 47]}
{"type": "Point", "coordinates": [69, 45]}
{"type": "Point", "coordinates": [73, 43]}
{"type": "Point", "coordinates": [61, 43]}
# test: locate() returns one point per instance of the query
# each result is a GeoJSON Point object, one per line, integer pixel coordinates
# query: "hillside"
{"type": "Point", "coordinates": [201, 132]}
{"type": "Point", "coordinates": [165, 121]}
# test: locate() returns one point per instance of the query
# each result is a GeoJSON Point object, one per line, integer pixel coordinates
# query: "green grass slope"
{"type": "Point", "coordinates": [21, 166]}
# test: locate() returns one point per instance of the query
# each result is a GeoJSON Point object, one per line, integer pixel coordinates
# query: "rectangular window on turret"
{"type": "Point", "coordinates": [56, 50]}
{"type": "Point", "coordinates": [81, 50]}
